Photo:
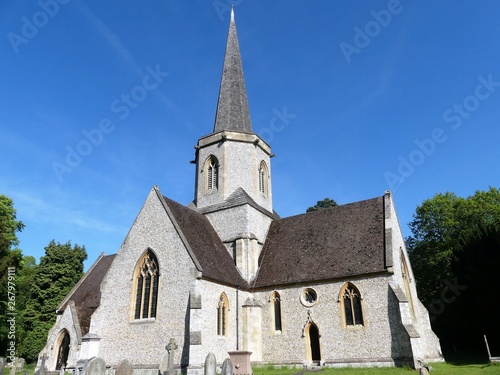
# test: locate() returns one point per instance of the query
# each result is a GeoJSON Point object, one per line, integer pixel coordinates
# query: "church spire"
{"type": "Point", "coordinates": [232, 107]}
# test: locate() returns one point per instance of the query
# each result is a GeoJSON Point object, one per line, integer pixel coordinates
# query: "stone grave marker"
{"type": "Point", "coordinates": [124, 368]}
{"type": "Point", "coordinates": [167, 359]}
{"type": "Point", "coordinates": [2, 365]}
{"type": "Point", "coordinates": [20, 364]}
{"type": "Point", "coordinates": [227, 367]}
{"type": "Point", "coordinates": [96, 366]}
{"type": "Point", "coordinates": [210, 365]}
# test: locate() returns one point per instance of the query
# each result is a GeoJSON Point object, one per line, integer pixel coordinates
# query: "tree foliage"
{"type": "Point", "coordinates": [60, 269]}
{"type": "Point", "coordinates": [10, 256]}
{"type": "Point", "coordinates": [320, 205]}
{"type": "Point", "coordinates": [438, 226]}
{"type": "Point", "coordinates": [450, 235]}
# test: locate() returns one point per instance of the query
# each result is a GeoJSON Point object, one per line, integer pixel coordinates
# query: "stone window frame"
{"type": "Point", "coordinates": [223, 316]}
{"type": "Point", "coordinates": [308, 297]}
{"type": "Point", "coordinates": [143, 309]}
{"type": "Point", "coordinates": [211, 171]}
{"type": "Point", "coordinates": [62, 349]}
{"type": "Point", "coordinates": [263, 177]}
{"type": "Point", "coordinates": [356, 319]}
{"type": "Point", "coordinates": [276, 312]}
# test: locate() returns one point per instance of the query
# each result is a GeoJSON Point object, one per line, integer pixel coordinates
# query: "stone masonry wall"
{"type": "Point", "coordinates": [379, 340]}
{"type": "Point", "coordinates": [143, 341]}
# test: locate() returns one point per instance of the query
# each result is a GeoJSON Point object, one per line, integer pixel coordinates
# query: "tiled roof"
{"type": "Point", "coordinates": [87, 293]}
{"type": "Point", "coordinates": [205, 245]}
{"type": "Point", "coordinates": [338, 242]}
{"type": "Point", "coordinates": [238, 198]}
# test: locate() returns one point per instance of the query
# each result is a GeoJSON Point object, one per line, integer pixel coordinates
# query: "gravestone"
{"type": "Point", "coordinates": [42, 370]}
{"type": "Point", "coordinates": [124, 368]}
{"type": "Point", "coordinates": [12, 370]}
{"type": "Point", "coordinates": [20, 364]}
{"type": "Point", "coordinates": [96, 366]}
{"type": "Point", "coordinates": [210, 365]}
{"type": "Point", "coordinates": [227, 367]}
{"type": "Point", "coordinates": [167, 359]}
{"type": "Point", "coordinates": [2, 365]}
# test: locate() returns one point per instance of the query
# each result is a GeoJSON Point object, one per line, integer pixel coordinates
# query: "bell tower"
{"type": "Point", "coordinates": [233, 168]}
{"type": "Point", "coordinates": [232, 156]}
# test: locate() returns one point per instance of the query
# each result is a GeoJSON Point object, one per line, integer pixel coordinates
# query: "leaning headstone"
{"type": "Point", "coordinates": [210, 365]}
{"type": "Point", "coordinates": [96, 366]}
{"type": "Point", "coordinates": [227, 367]}
{"type": "Point", "coordinates": [124, 368]}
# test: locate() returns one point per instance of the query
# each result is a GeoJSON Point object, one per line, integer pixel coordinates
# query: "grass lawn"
{"type": "Point", "coordinates": [470, 368]}
{"type": "Point", "coordinates": [437, 369]}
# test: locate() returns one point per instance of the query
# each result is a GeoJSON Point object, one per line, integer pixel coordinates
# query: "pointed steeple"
{"type": "Point", "coordinates": [232, 107]}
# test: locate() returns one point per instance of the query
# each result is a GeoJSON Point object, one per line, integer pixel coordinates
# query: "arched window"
{"type": "Point", "coordinates": [263, 178]}
{"type": "Point", "coordinates": [350, 299]}
{"type": "Point", "coordinates": [276, 310]}
{"type": "Point", "coordinates": [211, 171]}
{"type": "Point", "coordinates": [406, 283]}
{"type": "Point", "coordinates": [146, 278]}
{"type": "Point", "coordinates": [222, 315]}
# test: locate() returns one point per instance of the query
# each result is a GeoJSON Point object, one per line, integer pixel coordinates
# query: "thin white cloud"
{"type": "Point", "coordinates": [31, 206]}
{"type": "Point", "coordinates": [110, 37]}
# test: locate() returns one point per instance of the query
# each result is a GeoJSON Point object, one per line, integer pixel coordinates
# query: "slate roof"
{"type": "Point", "coordinates": [338, 242]}
{"type": "Point", "coordinates": [87, 292]}
{"type": "Point", "coordinates": [238, 198]}
{"type": "Point", "coordinates": [208, 251]}
{"type": "Point", "coordinates": [232, 107]}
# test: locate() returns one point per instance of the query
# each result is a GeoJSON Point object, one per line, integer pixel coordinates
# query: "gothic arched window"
{"type": "Point", "coordinates": [211, 171]}
{"type": "Point", "coordinates": [350, 300]}
{"type": "Point", "coordinates": [222, 315]}
{"type": "Point", "coordinates": [146, 279]}
{"type": "Point", "coordinates": [276, 310]}
{"type": "Point", "coordinates": [263, 178]}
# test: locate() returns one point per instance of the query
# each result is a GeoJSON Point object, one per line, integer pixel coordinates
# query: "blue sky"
{"type": "Point", "coordinates": [102, 100]}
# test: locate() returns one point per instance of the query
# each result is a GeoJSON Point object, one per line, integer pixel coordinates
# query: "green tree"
{"type": "Point", "coordinates": [10, 256]}
{"type": "Point", "coordinates": [60, 269]}
{"type": "Point", "coordinates": [438, 226]}
{"type": "Point", "coordinates": [320, 205]}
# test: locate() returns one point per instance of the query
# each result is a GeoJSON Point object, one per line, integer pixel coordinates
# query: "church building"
{"type": "Point", "coordinates": [226, 273]}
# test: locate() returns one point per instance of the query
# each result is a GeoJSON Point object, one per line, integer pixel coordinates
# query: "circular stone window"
{"type": "Point", "coordinates": [308, 297]}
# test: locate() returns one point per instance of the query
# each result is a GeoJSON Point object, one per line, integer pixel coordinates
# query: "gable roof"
{"type": "Point", "coordinates": [204, 244]}
{"type": "Point", "coordinates": [238, 198]}
{"type": "Point", "coordinates": [338, 242]}
{"type": "Point", "coordinates": [86, 294]}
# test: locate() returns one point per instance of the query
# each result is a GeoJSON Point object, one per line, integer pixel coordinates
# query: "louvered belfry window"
{"type": "Point", "coordinates": [212, 170]}
{"type": "Point", "coordinates": [147, 287]}
{"type": "Point", "coordinates": [263, 178]}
